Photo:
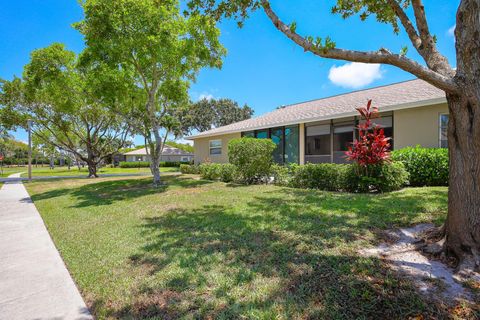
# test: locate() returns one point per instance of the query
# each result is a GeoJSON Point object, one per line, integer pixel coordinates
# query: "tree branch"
{"type": "Point", "coordinates": [407, 25]}
{"type": "Point", "coordinates": [434, 59]}
{"type": "Point", "coordinates": [384, 56]}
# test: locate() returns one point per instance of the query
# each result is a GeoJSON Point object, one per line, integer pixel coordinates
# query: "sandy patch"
{"type": "Point", "coordinates": [430, 276]}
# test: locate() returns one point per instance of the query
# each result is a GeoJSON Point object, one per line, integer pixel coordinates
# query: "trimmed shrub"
{"type": "Point", "coordinates": [146, 164]}
{"type": "Point", "coordinates": [384, 177]}
{"type": "Point", "coordinates": [189, 169]}
{"type": "Point", "coordinates": [323, 176]}
{"type": "Point", "coordinates": [227, 172]}
{"type": "Point", "coordinates": [217, 171]}
{"type": "Point", "coordinates": [135, 164]}
{"type": "Point", "coordinates": [282, 175]}
{"type": "Point", "coordinates": [426, 166]}
{"type": "Point", "coordinates": [252, 157]}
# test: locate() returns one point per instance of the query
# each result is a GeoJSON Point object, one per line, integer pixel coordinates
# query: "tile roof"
{"type": "Point", "coordinates": [412, 93]}
{"type": "Point", "coordinates": [167, 151]}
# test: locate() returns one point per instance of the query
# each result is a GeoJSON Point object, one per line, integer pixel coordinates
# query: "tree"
{"type": "Point", "coordinates": [66, 108]}
{"type": "Point", "coordinates": [182, 146]}
{"type": "Point", "coordinates": [211, 113]}
{"type": "Point", "coordinates": [461, 231]}
{"type": "Point", "coordinates": [162, 50]}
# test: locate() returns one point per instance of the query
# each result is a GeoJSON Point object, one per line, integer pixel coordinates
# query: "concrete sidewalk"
{"type": "Point", "coordinates": [34, 282]}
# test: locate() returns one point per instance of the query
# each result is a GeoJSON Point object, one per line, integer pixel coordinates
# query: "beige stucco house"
{"type": "Point", "coordinates": [169, 154]}
{"type": "Point", "coordinates": [411, 112]}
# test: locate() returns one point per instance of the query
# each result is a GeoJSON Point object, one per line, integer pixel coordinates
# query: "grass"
{"type": "Point", "coordinates": [73, 171]}
{"type": "Point", "coordinates": [199, 249]}
{"type": "Point", "coordinates": [6, 171]}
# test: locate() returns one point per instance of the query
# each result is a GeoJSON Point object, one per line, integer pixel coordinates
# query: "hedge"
{"type": "Point", "coordinates": [146, 164]}
{"type": "Point", "coordinates": [426, 166]}
{"type": "Point", "coordinates": [189, 169]}
{"type": "Point", "coordinates": [376, 178]}
{"type": "Point", "coordinates": [342, 177]}
{"type": "Point", "coordinates": [252, 157]}
{"type": "Point", "coordinates": [218, 171]}
{"type": "Point", "coordinates": [323, 176]}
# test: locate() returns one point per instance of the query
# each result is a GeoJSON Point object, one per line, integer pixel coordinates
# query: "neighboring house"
{"type": "Point", "coordinates": [169, 154]}
{"type": "Point", "coordinates": [411, 112]}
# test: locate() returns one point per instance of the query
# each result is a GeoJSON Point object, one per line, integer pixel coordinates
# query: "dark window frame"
{"type": "Point", "coordinates": [269, 135]}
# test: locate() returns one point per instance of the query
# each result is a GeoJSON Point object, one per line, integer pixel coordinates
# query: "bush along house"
{"type": "Point", "coordinates": [320, 131]}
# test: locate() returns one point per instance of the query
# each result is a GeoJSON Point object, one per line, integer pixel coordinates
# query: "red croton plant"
{"type": "Point", "coordinates": [371, 147]}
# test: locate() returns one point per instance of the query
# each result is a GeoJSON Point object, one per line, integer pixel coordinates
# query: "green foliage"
{"type": "Point", "coordinates": [182, 146]}
{"type": "Point", "coordinates": [67, 110]}
{"type": "Point", "coordinates": [281, 174]}
{"type": "Point", "coordinates": [189, 169]}
{"type": "Point", "coordinates": [375, 178]}
{"type": "Point", "coordinates": [146, 164]}
{"type": "Point", "coordinates": [161, 50]}
{"type": "Point", "coordinates": [218, 171]}
{"type": "Point", "coordinates": [323, 176]}
{"type": "Point", "coordinates": [209, 113]}
{"type": "Point", "coordinates": [426, 166]}
{"type": "Point", "coordinates": [253, 158]}
{"type": "Point", "coordinates": [134, 164]}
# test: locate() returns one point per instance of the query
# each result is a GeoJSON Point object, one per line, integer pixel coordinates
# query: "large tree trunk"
{"type": "Point", "coordinates": [462, 227]}
{"type": "Point", "coordinates": [155, 169]}
{"type": "Point", "coordinates": [92, 169]}
{"type": "Point", "coordinates": [463, 221]}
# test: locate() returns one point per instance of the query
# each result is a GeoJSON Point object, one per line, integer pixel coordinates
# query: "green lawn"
{"type": "Point", "coordinates": [197, 249]}
{"type": "Point", "coordinates": [73, 171]}
{"type": "Point", "coordinates": [6, 171]}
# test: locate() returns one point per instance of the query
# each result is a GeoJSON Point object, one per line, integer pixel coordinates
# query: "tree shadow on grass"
{"type": "Point", "coordinates": [110, 191]}
{"type": "Point", "coordinates": [282, 256]}
{"type": "Point", "coordinates": [383, 211]}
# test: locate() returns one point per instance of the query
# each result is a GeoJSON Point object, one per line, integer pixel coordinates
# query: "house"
{"type": "Point", "coordinates": [318, 131]}
{"type": "Point", "coordinates": [169, 154]}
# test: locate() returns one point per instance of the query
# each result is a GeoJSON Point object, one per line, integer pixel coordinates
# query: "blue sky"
{"type": "Point", "coordinates": [263, 68]}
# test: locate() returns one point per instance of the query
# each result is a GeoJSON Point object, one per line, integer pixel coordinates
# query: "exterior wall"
{"type": "Point", "coordinates": [202, 148]}
{"type": "Point", "coordinates": [175, 158]}
{"type": "Point", "coordinates": [417, 126]}
{"type": "Point", "coordinates": [301, 129]}
{"type": "Point", "coordinates": [413, 126]}
{"type": "Point", "coordinates": [134, 158]}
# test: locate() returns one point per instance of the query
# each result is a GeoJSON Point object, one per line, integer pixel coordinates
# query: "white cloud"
{"type": "Point", "coordinates": [354, 74]}
{"type": "Point", "coordinates": [205, 95]}
{"type": "Point", "coordinates": [451, 31]}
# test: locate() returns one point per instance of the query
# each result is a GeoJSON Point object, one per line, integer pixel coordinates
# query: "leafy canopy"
{"type": "Point", "coordinates": [206, 114]}
{"type": "Point", "coordinates": [67, 110]}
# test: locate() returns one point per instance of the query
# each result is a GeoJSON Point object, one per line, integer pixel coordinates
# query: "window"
{"type": "Point", "coordinates": [443, 134]}
{"type": "Point", "coordinates": [250, 134]}
{"type": "Point", "coordinates": [184, 159]}
{"type": "Point", "coordinates": [387, 124]}
{"type": "Point", "coordinates": [276, 135]}
{"type": "Point", "coordinates": [342, 138]}
{"type": "Point", "coordinates": [262, 134]}
{"type": "Point", "coordinates": [291, 144]}
{"type": "Point", "coordinates": [215, 147]}
{"type": "Point", "coordinates": [318, 140]}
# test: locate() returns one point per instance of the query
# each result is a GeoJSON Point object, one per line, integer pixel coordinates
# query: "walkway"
{"type": "Point", "coordinates": [34, 282]}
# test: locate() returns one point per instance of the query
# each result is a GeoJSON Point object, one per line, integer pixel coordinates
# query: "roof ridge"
{"type": "Point", "coordinates": [346, 93]}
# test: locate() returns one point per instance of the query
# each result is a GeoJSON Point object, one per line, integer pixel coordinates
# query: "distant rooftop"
{"type": "Point", "coordinates": [407, 94]}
